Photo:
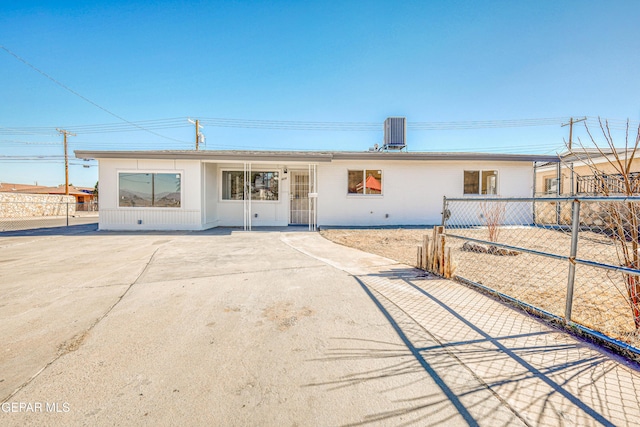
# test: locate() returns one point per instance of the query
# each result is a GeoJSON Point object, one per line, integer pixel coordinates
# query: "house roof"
{"type": "Point", "coordinates": [590, 155]}
{"type": "Point", "coordinates": [309, 156]}
{"type": "Point", "coordinates": [8, 187]}
{"type": "Point", "coordinates": [40, 189]}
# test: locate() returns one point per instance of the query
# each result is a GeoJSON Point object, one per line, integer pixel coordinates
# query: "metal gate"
{"type": "Point", "coordinates": [299, 192]}
{"type": "Point", "coordinates": [304, 197]}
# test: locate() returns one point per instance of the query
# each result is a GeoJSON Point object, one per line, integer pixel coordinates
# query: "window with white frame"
{"type": "Point", "coordinates": [364, 181]}
{"type": "Point", "coordinates": [149, 190]}
{"type": "Point", "coordinates": [481, 182]}
{"type": "Point", "coordinates": [551, 185]}
{"type": "Point", "coordinates": [263, 185]}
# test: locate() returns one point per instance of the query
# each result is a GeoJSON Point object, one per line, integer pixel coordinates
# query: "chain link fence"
{"type": "Point", "coordinates": [17, 216]}
{"type": "Point", "coordinates": [574, 260]}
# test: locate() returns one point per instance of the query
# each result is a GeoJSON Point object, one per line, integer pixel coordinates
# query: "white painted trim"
{"type": "Point", "coordinates": [220, 189]}
{"type": "Point", "coordinates": [163, 171]}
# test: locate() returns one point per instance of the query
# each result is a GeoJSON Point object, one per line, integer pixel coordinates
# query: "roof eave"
{"type": "Point", "coordinates": [311, 157]}
{"type": "Point", "coordinates": [207, 155]}
{"type": "Point", "coordinates": [403, 155]}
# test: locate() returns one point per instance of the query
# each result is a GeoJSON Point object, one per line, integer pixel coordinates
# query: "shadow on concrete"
{"type": "Point", "coordinates": [399, 363]}
{"type": "Point", "coordinates": [546, 375]}
{"type": "Point", "coordinates": [52, 231]}
{"type": "Point", "coordinates": [446, 390]}
{"type": "Point", "coordinates": [92, 230]}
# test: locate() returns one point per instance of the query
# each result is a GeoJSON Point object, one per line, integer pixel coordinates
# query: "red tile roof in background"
{"type": "Point", "coordinates": [6, 187]}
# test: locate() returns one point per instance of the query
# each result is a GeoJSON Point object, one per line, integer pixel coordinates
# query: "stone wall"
{"type": "Point", "coordinates": [20, 205]}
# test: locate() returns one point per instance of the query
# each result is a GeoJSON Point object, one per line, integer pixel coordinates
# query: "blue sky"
{"type": "Point", "coordinates": [445, 65]}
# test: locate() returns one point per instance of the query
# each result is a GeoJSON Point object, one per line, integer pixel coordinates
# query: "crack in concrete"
{"type": "Point", "coordinates": [236, 273]}
{"type": "Point", "coordinates": [76, 342]}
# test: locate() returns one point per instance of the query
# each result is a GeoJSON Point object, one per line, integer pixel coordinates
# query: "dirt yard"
{"type": "Point", "coordinates": [396, 244]}
{"type": "Point", "coordinates": [599, 302]}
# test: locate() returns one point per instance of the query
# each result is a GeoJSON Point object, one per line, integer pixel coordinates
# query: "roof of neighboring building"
{"type": "Point", "coordinates": [41, 189]}
{"type": "Point", "coordinates": [309, 156]}
{"type": "Point", "coordinates": [593, 155]}
{"type": "Point", "coordinates": [10, 186]}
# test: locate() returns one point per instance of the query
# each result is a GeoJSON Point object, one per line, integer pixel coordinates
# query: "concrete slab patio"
{"type": "Point", "coordinates": [276, 328]}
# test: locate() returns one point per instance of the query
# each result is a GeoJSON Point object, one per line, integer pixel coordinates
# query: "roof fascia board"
{"type": "Point", "coordinates": [444, 156]}
{"type": "Point", "coordinates": [283, 157]}
{"type": "Point", "coordinates": [310, 157]}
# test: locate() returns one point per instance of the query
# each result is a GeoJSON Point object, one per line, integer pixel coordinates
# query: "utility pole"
{"type": "Point", "coordinates": [66, 160]}
{"type": "Point", "coordinates": [198, 136]}
{"type": "Point", "coordinates": [570, 124]}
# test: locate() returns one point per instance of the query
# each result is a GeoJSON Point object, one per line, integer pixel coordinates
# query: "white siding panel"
{"type": "Point", "coordinates": [187, 217]}
{"type": "Point", "coordinates": [152, 219]}
{"type": "Point", "coordinates": [412, 192]}
{"type": "Point", "coordinates": [210, 194]}
{"type": "Point", "coordinates": [230, 213]}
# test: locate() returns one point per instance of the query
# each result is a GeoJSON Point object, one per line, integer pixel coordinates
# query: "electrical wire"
{"type": "Point", "coordinates": [181, 122]}
{"type": "Point", "coordinates": [19, 58]}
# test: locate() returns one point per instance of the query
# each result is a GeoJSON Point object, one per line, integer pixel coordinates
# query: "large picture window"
{"type": "Point", "coordinates": [368, 181]}
{"type": "Point", "coordinates": [149, 190]}
{"type": "Point", "coordinates": [264, 185]}
{"type": "Point", "coordinates": [481, 182]}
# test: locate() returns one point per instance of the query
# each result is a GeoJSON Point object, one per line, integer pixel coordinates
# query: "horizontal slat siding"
{"type": "Point", "coordinates": [157, 218]}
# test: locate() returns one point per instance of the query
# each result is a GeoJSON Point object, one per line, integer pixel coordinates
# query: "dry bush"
{"type": "Point", "coordinates": [493, 215]}
{"type": "Point", "coordinates": [622, 218]}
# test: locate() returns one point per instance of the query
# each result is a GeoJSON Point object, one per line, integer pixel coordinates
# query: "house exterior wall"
{"type": "Point", "coordinates": [269, 213]}
{"type": "Point", "coordinates": [187, 217]}
{"type": "Point", "coordinates": [412, 192]}
{"type": "Point", "coordinates": [210, 195]}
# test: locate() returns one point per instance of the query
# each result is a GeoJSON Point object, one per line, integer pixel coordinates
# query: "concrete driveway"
{"type": "Point", "coordinates": [275, 328]}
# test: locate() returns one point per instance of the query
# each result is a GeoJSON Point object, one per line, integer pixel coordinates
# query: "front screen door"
{"type": "Point", "coordinates": [299, 191]}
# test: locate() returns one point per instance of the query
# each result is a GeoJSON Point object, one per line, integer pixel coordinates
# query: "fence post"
{"type": "Point", "coordinates": [575, 227]}
{"type": "Point", "coordinates": [444, 210]}
{"type": "Point", "coordinates": [558, 193]}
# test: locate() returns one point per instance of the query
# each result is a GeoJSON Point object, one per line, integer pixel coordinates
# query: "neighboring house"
{"type": "Point", "coordinates": [83, 196]}
{"type": "Point", "coordinates": [576, 171]}
{"type": "Point", "coordinates": [9, 187]}
{"type": "Point", "coordinates": [194, 190]}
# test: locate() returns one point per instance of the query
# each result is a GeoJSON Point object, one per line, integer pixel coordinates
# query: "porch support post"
{"type": "Point", "coordinates": [312, 197]}
{"type": "Point", "coordinates": [246, 199]}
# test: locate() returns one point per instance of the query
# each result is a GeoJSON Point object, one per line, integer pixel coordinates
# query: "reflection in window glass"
{"type": "Point", "coordinates": [160, 190]}
{"type": "Point", "coordinates": [264, 185]}
{"type": "Point", "coordinates": [489, 182]}
{"type": "Point", "coordinates": [166, 190]}
{"type": "Point", "coordinates": [367, 181]}
{"type": "Point", "coordinates": [471, 182]}
{"type": "Point", "coordinates": [232, 182]}
{"type": "Point", "coordinates": [551, 185]}
{"type": "Point", "coordinates": [481, 182]}
{"type": "Point", "coordinates": [355, 182]}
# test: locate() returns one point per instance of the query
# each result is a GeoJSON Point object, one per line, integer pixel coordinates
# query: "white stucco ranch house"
{"type": "Point", "coordinates": [196, 190]}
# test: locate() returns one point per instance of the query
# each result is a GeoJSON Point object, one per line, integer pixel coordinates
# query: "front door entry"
{"type": "Point", "coordinates": [299, 193]}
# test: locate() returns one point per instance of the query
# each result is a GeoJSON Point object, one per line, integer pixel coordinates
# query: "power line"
{"type": "Point", "coordinates": [180, 122]}
{"type": "Point", "coordinates": [19, 58]}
